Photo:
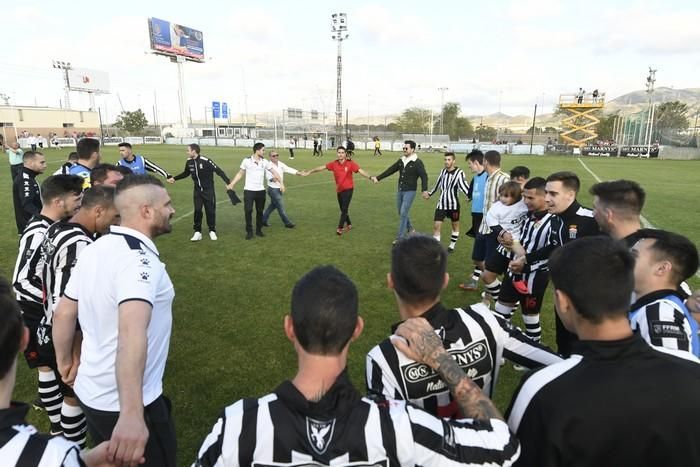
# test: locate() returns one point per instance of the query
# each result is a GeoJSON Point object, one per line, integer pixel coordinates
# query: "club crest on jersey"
{"type": "Point", "coordinates": [572, 232]}
{"type": "Point", "coordinates": [201, 166]}
{"type": "Point", "coordinates": [319, 434]}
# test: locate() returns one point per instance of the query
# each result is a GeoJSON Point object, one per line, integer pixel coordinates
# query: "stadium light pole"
{"type": "Point", "coordinates": [339, 33]}
{"type": "Point", "coordinates": [651, 79]}
{"type": "Point", "coordinates": [442, 109]}
{"type": "Point", "coordinates": [65, 66]}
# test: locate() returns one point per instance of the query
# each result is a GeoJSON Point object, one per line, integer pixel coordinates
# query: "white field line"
{"type": "Point", "coordinates": [645, 221]}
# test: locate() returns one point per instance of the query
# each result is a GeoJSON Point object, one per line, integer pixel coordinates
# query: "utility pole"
{"type": "Point", "coordinates": [442, 110]}
{"type": "Point", "coordinates": [532, 136]}
{"type": "Point", "coordinates": [651, 79]}
{"type": "Point", "coordinates": [339, 33]}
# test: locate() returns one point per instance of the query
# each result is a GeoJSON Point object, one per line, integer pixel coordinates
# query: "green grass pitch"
{"type": "Point", "coordinates": [232, 294]}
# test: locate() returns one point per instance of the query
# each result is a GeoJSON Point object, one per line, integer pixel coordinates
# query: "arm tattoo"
{"type": "Point", "coordinates": [471, 399]}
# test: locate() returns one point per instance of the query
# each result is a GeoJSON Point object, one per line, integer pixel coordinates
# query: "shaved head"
{"type": "Point", "coordinates": [130, 201]}
{"type": "Point", "coordinates": [144, 205]}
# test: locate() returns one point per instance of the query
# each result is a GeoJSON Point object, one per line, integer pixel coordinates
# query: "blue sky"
{"type": "Point", "coordinates": [274, 54]}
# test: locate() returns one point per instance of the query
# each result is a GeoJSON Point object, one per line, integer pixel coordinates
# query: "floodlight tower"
{"type": "Point", "coordinates": [442, 108]}
{"type": "Point", "coordinates": [651, 79]}
{"type": "Point", "coordinates": [339, 33]}
{"type": "Point", "coordinates": [65, 66]}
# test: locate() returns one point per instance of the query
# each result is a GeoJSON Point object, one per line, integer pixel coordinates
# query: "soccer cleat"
{"type": "Point", "coordinates": [212, 235]}
{"type": "Point", "coordinates": [38, 404]}
{"type": "Point", "coordinates": [249, 235]}
{"type": "Point", "coordinates": [471, 286]}
{"type": "Point", "coordinates": [290, 225]}
{"type": "Point", "coordinates": [450, 249]}
{"type": "Point", "coordinates": [517, 367]}
{"type": "Point", "coordinates": [266, 224]}
{"type": "Point", "coordinates": [348, 227]}
{"type": "Point", "coordinates": [521, 287]}
{"type": "Point", "coordinates": [339, 231]}
{"type": "Point", "coordinates": [196, 237]}
{"type": "Point", "coordinates": [260, 233]}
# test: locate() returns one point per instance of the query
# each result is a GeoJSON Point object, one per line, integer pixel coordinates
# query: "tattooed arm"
{"type": "Point", "coordinates": [423, 345]}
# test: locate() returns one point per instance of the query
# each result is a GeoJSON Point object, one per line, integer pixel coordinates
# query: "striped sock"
{"type": "Point", "coordinates": [476, 275]}
{"type": "Point", "coordinates": [493, 289]}
{"type": "Point", "coordinates": [437, 237]}
{"type": "Point", "coordinates": [532, 326]}
{"type": "Point", "coordinates": [74, 424]}
{"type": "Point", "coordinates": [453, 240]}
{"type": "Point", "coordinates": [504, 310]}
{"type": "Point", "coordinates": [51, 396]}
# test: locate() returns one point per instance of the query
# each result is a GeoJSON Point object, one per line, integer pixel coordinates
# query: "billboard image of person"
{"type": "Point", "coordinates": [176, 39]}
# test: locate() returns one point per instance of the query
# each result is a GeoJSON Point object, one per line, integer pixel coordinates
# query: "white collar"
{"type": "Point", "coordinates": [410, 158]}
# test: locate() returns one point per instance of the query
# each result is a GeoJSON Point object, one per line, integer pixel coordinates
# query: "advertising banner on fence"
{"type": "Point", "coordinates": [175, 39]}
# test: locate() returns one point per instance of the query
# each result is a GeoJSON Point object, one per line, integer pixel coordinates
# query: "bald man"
{"type": "Point", "coordinates": [119, 376]}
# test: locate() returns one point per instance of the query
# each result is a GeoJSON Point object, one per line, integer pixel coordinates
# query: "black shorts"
{"type": "Point", "coordinates": [47, 357]}
{"type": "Point", "coordinates": [531, 303]}
{"type": "Point", "coordinates": [442, 214]}
{"type": "Point", "coordinates": [32, 313]}
{"type": "Point", "coordinates": [484, 246]}
{"type": "Point", "coordinates": [497, 263]}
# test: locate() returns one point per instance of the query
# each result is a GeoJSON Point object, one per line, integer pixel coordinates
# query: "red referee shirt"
{"type": "Point", "coordinates": [343, 174]}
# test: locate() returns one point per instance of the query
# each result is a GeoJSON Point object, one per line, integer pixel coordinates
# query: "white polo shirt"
{"type": "Point", "coordinates": [255, 173]}
{"type": "Point", "coordinates": [280, 168]}
{"type": "Point", "coordinates": [119, 267]}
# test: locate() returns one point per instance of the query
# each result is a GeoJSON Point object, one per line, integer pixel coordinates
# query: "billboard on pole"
{"type": "Point", "coordinates": [83, 79]}
{"type": "Point", "coordinates": [174, 39]}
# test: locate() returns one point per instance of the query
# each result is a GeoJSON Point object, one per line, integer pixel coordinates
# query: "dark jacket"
{"type": "Point", "coordinates": [408, 174]}
{"type": "Point", "coordinates": [26, 197]}
{"type": "Point", "coordinates": [202, 171]}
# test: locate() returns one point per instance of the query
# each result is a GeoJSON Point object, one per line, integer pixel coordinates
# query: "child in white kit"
{"type": "Point", "coordinates": [507, 214]}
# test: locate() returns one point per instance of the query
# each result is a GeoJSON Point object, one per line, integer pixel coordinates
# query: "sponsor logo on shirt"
{"type": "Point", "coordinates": [670, 329]}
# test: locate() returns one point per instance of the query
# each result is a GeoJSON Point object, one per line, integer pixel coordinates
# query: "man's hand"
{"type": "Point", "coordinates": [506, 239]}
{"type": "Point", "coordinates": [97, 456]}
{"type": "Point", "coordinates": [170, 179]}
{"type": "Point", "coordinates": [374, 179]}
{"type": "Point", "coordinates": [421, 343]}
{"type": "Point", "coordinates": [128, 442]}
{"type": "Point", "coordinates": [283, 188]}
{"type": "Point", "coordinates": [517, 265]}
{"type": "Point", "coordinates": [425, 195]}
{"type": "Point", "coordinates": [693, 304]}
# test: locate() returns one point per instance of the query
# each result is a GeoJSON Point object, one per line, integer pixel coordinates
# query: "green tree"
{"type": "Point", "coordinates": [454, 125]}
{"type": "Point", "coordinates": [414, 120]}
{"type": "Point", "coordinates": [485, 133]}
{"type": "Point", "coordinates": [671, 118]}
{"type": "Point", "coordinates": [605, 126]}
{"type": "Point", "coordinates": [132, 122]}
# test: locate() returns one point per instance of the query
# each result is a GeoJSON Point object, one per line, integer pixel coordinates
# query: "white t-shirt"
{"type": "Point", "coordinates": [510, 218]}
{"type": "Point", "coordinates": [255, 173]}
{"type": "Point", "coordinates": [281, 168]}
{"type": "Point", "coordinates": [117, 268]}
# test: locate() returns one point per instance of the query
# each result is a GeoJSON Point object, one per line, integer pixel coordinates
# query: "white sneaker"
{"type": "Point", "coordinates": [213, 236]}
{"type": "Point", "coordinates": [196, 237]}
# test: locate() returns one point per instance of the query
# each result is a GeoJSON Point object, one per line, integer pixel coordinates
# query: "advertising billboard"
{"type": "Point", "coordinates": [83, 79]}
{"type": "Point", "coordinates": [174, 39]}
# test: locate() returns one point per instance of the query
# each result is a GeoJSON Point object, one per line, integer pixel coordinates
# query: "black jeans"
{"type": "Point", "coordinates": [206, 199]}
{"type": "Point", "coordinates": [161, 445]}
{"type": "Point", "coordinates": [344, 198]}
{"type": "Point", "coordinates": [250, 197]}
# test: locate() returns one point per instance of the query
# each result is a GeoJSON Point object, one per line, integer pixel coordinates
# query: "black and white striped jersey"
{"type": "Point", "coordinates": [449, 182]}
{"type": "Point", "coordinates": [476, 339]}
{"type": "Point", "coordinates": [663, 320]}
{"type": "Point", "coordinates": [62, 244]}
{"type": "Point", "coordinates": [346, 429]}
{"type": "Point", "coordinates": [26, 278]}
{"type": "Point", "coordinates": [534, 234]}
{"type": "Point", "coordinates": [22, 446]}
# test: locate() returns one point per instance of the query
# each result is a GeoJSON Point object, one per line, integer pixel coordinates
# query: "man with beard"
{"type": "Point", "coordinates": [122, 295]}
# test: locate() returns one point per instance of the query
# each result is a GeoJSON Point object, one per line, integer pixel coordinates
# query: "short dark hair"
{"type": "Point", "coordinates": [30, 155]}
{"type": "Point", "coordinates": [519, 171]}
{"type": "Point", "coordinates": [569, 179]}
{"type": "Point", "coordinates": [86, 147]}
{"type": "Point", "coordinates": [449, 154]}
{"type": "Point", "coordinates": [126, 171]}
{"type": "Point", "coordinates": [597, 274]}
{"type": "Point", "coordinates": [341, 147]}
{"type": "Point", "coordinates": [124, 145]}
{"type": "Point", "coordinates": [100, 172]}
{"type": "Point", "coordinates": [411, 143]}
{"type": "Point", "coordinates": [11, 327]}
{"type": "Point", "coordinates": [324, 310]}
{"type": "Point", "coordinates": [681, 252]}
{"type": "Point", "coordinates": [418, 265]}
{"type": "Point", "coordinates": [476, 156]}
{"type": "Point", "coordinates": [538, 183]}
{"type": "Point", "coordinates": [493, 158]}
{"type": "Point", "coordinates": [137, 180]}
{"type": "Point", "coordinates": [258, 146]}
{"type": "Point", "coordinates": [195, 147]}
{"type": "Point", "coordinates": [73, 156]}
{"type": "Point", "coordinates": [101, 195]}
{"type": "Point", "coordinates": [57, 186]}
{"type": "Point", "coordinates": [621, 195]}
{"type": "Point", "coordinates": [511, 189]}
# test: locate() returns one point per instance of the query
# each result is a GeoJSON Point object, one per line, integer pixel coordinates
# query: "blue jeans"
{"type": "Point", "coordinates": [404, 200]}
{"type": "Point", "coordinates": [276, 203]}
